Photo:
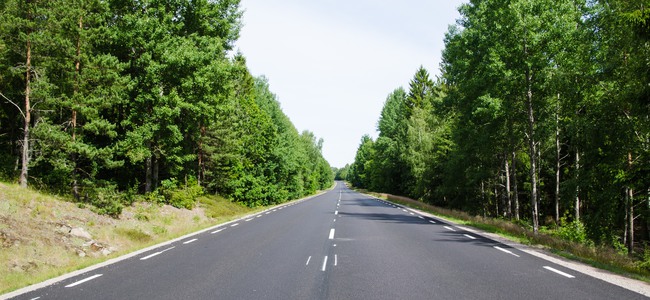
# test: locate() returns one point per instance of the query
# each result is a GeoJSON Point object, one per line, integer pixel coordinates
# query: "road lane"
{"type": "Point", "coordinates": [388, 253]}
{"type": "Point", "coordinates": [339, 245]}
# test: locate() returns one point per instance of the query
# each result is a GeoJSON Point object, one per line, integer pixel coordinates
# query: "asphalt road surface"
{"type": "Point", "coordinates": [339, 245]}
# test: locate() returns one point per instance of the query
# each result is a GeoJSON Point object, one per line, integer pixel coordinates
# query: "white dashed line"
{"type": "Point", "coordinates": [469, 236]}
{"type": "Point", "coordinates": [248, 220]}
{"type": "Point", "coordinates": [83, 280]}
{"type": "Point", "coordinates": [421, 217]}
{"type": "Point", "coordinates": [449, 228]}
{"type": "Point", "coordinates": [336, 260]}
{"type": "Point", "coordinates": [217, 231]}
{"type": "Point", "coordinates": [559, 272]}
{"type": "Point", "coordinates": [432, 221]}
{"type": "Point", "coordinates": [268, 212]}
{"type": "Point", "coordinates": [233, 225]}
{"type": "Point", "coordinates": [190, 241]}
{"type": "Point", "coordinates": [506, 251]}
{"type": "Point", "coordinates": [324, 264]}
{"type": "Point", "coordinates": [259, 216]}
{"type": "Point", "coordinates": [336, 212]}
{"type": "Point", "coordinates": [157, 253]}
{"type": "Point", "coordinates": [331, 237]}
{"type": "Point", "coordinates": [308, 259]}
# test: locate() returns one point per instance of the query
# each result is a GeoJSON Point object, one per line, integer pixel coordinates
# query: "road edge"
{"type": "Point", "coordinates": [627, 283]}
{"type": "Point", "coordinates": [111, 261]}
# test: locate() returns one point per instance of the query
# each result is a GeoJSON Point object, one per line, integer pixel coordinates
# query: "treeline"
{"type": "Point", "coordinates": [105, 99]}
{"type": "Point", "coordinates": [541, 114]}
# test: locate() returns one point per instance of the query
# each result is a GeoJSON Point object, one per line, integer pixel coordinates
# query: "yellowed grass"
{"type": "Point", "coordinates": [35, 244]}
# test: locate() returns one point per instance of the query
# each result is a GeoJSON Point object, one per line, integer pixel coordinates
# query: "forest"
{"type": "Point", "coordinates": [541, 115]}
{"type": "Point", "coordinates": [103, 100]}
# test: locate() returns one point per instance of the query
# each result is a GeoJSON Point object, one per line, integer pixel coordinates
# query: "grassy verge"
{"type": "Point", "coordinates": [597, 256]}
{"type": "Point", "coordinates": [36, 241]}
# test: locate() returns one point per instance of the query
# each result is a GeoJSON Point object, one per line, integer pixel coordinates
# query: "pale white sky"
{"type": "Point", "coordinates": [332, 63]}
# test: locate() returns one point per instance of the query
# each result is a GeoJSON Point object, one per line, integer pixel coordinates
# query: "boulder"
{"type": "Point", "coordinates": [81, 233]}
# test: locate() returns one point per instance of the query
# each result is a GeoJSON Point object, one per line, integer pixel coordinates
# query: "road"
{"type": "Point", "coordinates": [339, 245]}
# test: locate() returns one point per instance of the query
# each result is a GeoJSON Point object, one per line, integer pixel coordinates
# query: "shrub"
{"type": "Point", "coordinates": [573, 232]}
{"type": "Point", "coordinates": [106, 200]}
{"type": "Point", "coordinates": [181, 197]}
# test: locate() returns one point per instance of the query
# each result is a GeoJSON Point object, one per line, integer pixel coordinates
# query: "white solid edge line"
{"type": "Point", "coordinates": [324, 264]}
{"type": "Point", "coordinates": [83, 280]}
{"type": "Point", "coordinates": [559, 272]}
{"type": "Point", "coordinates": [331, 237]}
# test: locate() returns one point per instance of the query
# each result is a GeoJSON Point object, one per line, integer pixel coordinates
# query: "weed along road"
{"type": "Point", "coordinates": [339, 245]}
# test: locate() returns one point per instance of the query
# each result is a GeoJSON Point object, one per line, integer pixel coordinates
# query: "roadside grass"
{"type": "Point", "coordinates": [35, 244]}
{"type": "Point", "coordinates": [601, 257]}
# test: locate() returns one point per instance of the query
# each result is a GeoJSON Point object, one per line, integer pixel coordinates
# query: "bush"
{"type": "Point", "coordinates": [184, 197]}
{"type": "Point", "coordinates": [106, 200]}
{"type": "Point", "coordinates": [573, 232]}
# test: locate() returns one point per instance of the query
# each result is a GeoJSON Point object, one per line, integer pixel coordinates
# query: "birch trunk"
{"type": "Point", "coordinates": [533, 153]}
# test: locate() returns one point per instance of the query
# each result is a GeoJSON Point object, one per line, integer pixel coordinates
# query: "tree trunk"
{"type": "Point", "coordinates": [533, 153]}
{"type": "Point", "coordinates": [201, 170]}
{"type": "Point", "coordinates": [483, 199]}
{"type": "Point", "coordinates": [577, 199]}
{"type": "Point", "coordinates": [508, 194]}
{"type": "Point", "coordinates": [77, 69]}
{"type": "Point", "coordinates": [515, 189]}
{"type": "Point", "coordinates": [629, 197]}
{"type": "Point", "coordinates": [28, 109]}
{"type": "Point", "coordinates": [557, 162]}
{"type": "Point", "coordinates": [148, 172]}
{"type": "Point", "coordinates": [156, 171]}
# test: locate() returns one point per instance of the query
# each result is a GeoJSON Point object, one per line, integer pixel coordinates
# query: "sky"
{"type": "Point", "coordinates": [332, 63]}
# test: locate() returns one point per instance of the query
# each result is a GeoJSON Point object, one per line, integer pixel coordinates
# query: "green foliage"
{"type": "Point", "coordinates": [106, 200]}
{"type": "Point", "coordinates": [574, 232]}
{"type": "Point", "coordinates": [538, 103]}
{"type": "Point", "coordinates": [132, 95]}
{"type": "Point", "coordinates": [183, 196]}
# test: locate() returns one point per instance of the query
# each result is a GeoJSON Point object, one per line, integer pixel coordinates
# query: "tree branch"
{"type": "Point", "coordinates": [16, 105]}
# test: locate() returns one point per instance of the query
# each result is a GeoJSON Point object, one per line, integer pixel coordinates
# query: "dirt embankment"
{"type": "Point", "coordinates": [43, 236]}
